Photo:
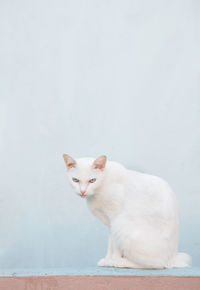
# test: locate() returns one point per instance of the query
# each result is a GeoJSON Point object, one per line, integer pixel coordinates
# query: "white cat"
{"type": "Point", "coordinates": [139, 209]}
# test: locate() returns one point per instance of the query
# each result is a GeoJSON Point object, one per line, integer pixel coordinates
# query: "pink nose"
{"type": "Point", "coordinates": [83, 192]}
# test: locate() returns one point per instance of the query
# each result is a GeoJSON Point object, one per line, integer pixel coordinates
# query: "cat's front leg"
{"type": "Point", "coordinates": [112, 254]}
{"type": "Point", "coordinates": [104, 261]}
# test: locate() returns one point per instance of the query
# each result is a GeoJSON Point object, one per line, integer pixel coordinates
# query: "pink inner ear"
{"type": "Point", "coordinates": [70, 162]}
{"type": "Point", "coordinates": [69, 165]}
{"type": "Point", "coordinates": [100, 163]}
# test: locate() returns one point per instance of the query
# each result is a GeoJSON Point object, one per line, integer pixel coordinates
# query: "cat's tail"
{"type": "Point", "coordinates": [180, 260]}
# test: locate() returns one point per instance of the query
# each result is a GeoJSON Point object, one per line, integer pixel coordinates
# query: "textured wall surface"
{"type": "Point", "coordinates": [88, 78]}
{"type": "Point", "coordinates": [99, 283]}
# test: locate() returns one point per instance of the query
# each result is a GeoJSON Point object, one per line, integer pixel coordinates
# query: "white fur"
{"type": "Point", "coordinates": [140, 211]}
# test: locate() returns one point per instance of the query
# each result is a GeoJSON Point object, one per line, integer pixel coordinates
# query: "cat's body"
{"type": "Point", "coordinates": [139, 209]}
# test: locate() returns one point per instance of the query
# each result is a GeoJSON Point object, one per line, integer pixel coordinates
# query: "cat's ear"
{"type": "Point", "coordinates": [69, 161]}
{"type": "Point", "coordinates": [100, 162]}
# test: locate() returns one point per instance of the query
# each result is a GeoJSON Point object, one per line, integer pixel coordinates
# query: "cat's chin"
{"type": "Point", "coordinates": [83, 196]}
{"type": "Point", "coordinates": [86, 195]}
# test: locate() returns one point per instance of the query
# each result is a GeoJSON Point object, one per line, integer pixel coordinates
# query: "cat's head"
{"type": "Point", "coordinates": [85, 174]}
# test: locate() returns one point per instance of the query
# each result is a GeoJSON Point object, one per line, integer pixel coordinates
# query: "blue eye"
{"type": "Point", "coordinates": [92, 180]}
{"type": "Point", "coordinates": [75, 179]}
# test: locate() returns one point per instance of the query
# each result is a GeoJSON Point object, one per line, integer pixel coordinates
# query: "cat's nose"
{"type": "Point", "coordinates": [83, 192]}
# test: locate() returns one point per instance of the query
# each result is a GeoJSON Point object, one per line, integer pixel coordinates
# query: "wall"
{"type": "Point", "coordinates": [88, 78]}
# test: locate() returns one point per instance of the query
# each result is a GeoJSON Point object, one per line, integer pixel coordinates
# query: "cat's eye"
{"type": "Point", "coordinates": [92, 180]}
{"type": "Point", "coordinates": [75, 179]}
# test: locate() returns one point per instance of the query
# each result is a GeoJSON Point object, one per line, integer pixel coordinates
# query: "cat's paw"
{"type": "Point", "coordinates": [118, 263]}
{"type": "Point", "coordinates": [101, 263]}
{"type": "Point", "coordinates": [105, 263]}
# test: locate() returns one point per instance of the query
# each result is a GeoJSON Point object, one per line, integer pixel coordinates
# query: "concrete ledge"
{"type": "Point", "coordinates": [99, 283]}
{"type": "Point", "coordinates": [100, 271]}
{"type": "Point", "coordinates": [97, 278]}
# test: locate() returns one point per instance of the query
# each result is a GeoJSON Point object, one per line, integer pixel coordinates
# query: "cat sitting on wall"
{"type": "Point", "coordinates": [139, 209]}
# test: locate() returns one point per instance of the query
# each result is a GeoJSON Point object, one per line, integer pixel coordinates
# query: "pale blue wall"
{"type": "Point", "coordinates": [87, 78]}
